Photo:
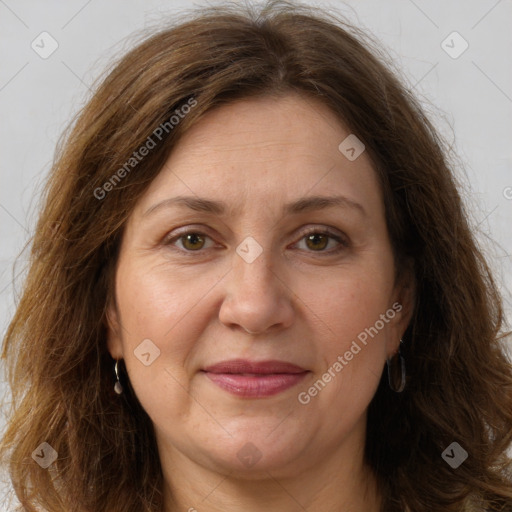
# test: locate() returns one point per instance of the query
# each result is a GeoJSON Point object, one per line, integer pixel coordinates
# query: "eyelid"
{"type": "Point", "coordinates": [325, 230]}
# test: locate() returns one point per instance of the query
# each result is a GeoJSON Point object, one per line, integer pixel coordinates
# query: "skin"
{"type": "Point", "coordinates": [298, 301]}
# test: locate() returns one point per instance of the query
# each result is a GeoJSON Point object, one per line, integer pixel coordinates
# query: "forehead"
{"type": "Point", "coordinates": [264, 150]}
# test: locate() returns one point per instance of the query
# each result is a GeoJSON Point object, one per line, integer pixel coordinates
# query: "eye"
{"type": "Point", "coordinates": [317, 240]}
{"type": "Point", "coordinates": [191, 241]}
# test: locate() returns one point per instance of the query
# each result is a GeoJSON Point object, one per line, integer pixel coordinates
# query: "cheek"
{"type": "Point", "coordinates": [166, 311]}
{"type": "Point", "coordinates": [346, 302]}
{"type": "Point", "coordinates": [157, 303]}
{"type": "Point", "coordinates": [348, 371]}
{"type": "Point", "coordinates": [345, 310]}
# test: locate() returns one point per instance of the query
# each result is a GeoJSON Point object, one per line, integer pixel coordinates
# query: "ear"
{"type": "Point", "coordinates": [114, 339]}
{"type": "Point", "coordinates": [404, 302]}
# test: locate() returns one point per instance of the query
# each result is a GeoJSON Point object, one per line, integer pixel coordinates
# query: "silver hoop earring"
{"type": "Point", "coordinates": [118, 388]}
{"type": "Point", "coordinates": [396, 372]}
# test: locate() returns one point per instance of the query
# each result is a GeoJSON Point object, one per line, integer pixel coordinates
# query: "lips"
{"type": "Point", "coordinates": [240, 366]}
{"type": "Point", "coordinates": [250, 379]}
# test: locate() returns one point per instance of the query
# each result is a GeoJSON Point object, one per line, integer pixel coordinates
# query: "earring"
{"type": "Point", "coordinates": [118, 388]}
{"type": "Point", "coordinates": [396, 371]}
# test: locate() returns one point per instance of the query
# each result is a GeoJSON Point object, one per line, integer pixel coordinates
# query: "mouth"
{"type": "Point", "coordinates": [251, 379]}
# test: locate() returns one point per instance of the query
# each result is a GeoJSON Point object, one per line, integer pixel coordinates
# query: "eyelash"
{"type": "Point", "coordinates": [312, 231]}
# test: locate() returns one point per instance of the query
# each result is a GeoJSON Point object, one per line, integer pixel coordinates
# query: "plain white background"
{"type": "Point", "coordinates": [469, 98]}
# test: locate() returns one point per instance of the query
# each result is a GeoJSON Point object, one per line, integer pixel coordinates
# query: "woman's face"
{"type": "Point", "coordinates": [250, 268]}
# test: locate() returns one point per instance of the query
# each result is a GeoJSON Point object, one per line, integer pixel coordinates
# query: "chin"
{"type": "Point", "coordinates": [254, 456]}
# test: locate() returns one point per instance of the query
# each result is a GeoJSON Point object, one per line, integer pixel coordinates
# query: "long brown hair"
{"type": "Point", "coordinates": [60, 372]}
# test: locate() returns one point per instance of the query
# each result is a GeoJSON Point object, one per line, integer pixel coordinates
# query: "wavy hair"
{"type": "Point", "coordinates": [60, 371]}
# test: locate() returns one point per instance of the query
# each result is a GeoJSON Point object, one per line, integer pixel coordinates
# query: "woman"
{"type": "Point", "coordinates": [253, 287]}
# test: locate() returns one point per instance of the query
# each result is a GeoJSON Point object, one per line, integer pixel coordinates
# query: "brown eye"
{"type": "Point", "coordinates": [189, 241]}
{"type": "Point", "coordinates": [192, 241]}
{"type": "Point", "coordinates": [325, 241]}
{"type": "Point", "coordinates": [317, 241]}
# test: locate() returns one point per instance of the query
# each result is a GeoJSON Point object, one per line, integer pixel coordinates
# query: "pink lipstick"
{"type": "Point", "coordinates": [255, 379]}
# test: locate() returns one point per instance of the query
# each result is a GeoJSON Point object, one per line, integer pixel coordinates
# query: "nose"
{"type": "Point", "coordinates": [257, 296]}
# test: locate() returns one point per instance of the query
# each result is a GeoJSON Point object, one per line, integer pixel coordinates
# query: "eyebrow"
{"type": "Point", "coordinates": [302, 205]}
